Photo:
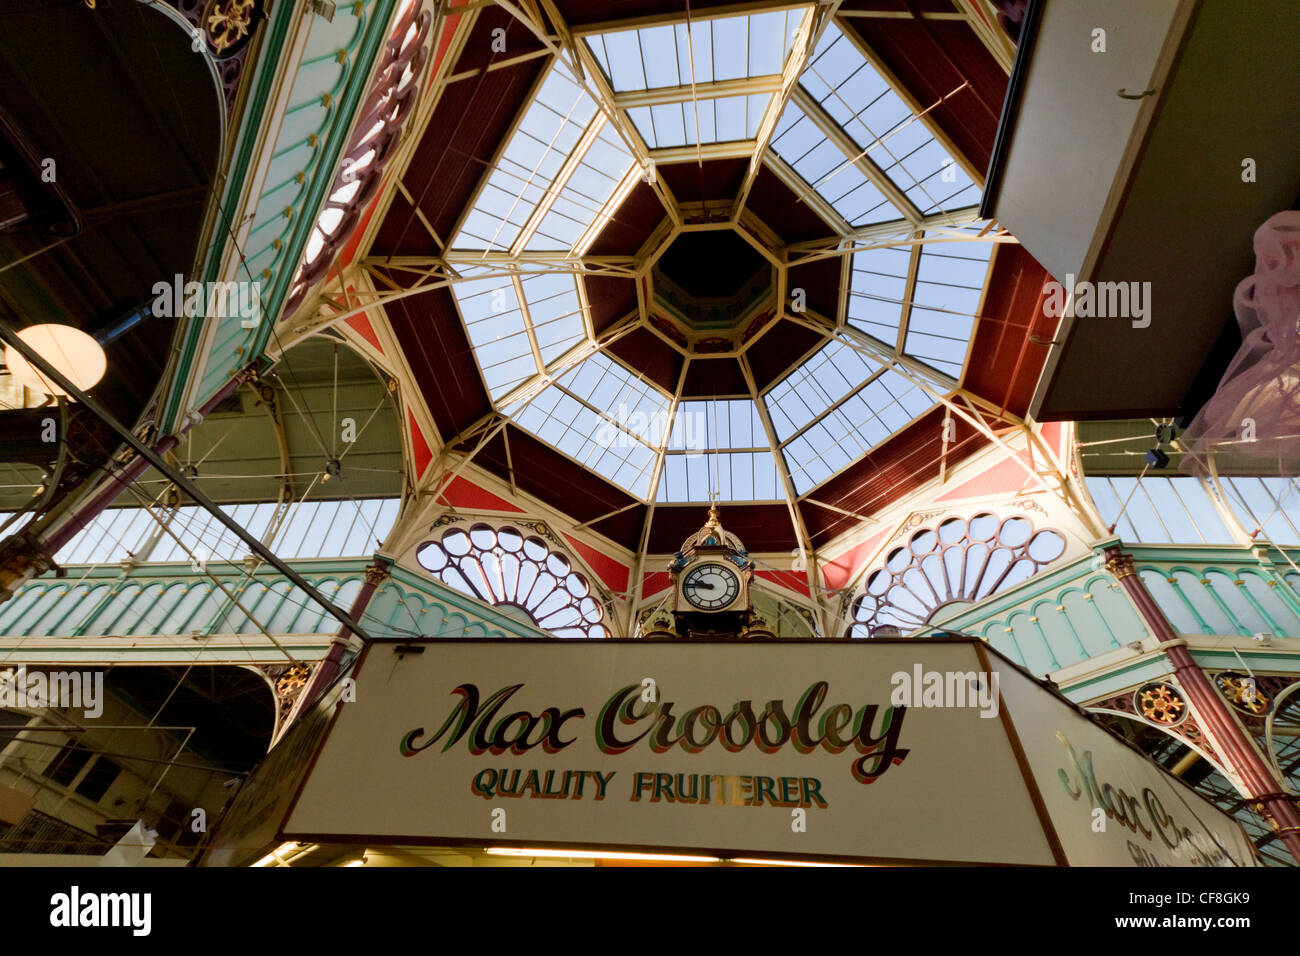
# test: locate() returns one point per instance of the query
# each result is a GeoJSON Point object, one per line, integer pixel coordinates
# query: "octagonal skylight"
{"type": "Point", "coordinates": [518, 324]}
{"type": "Point", "coordinates": [841, 81]}
{"type": "Point", "coordinates": [603, 416]}
{"type": "Point", "coordinates": [936, 324]}
{"type": "Point", "coordinates": [789, 90]}
{"type": "Point", "coordinates": [719, 448]}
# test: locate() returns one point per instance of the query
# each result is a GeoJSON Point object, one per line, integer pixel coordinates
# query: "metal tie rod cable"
{"type": "Point", "coordinates": [262, 551]}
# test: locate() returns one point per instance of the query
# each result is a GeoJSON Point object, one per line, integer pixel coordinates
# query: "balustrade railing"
{"type": "Point", "coordinates": [1078, 611]}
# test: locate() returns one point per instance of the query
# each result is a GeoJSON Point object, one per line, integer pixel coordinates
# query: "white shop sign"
{"type": "Point", "coordinates": [821, 749]}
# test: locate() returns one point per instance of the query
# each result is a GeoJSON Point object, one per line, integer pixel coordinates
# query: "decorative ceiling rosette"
{"type": "Point", "coordinates": [1243, 693]}
{"type": "Point", "coordinates": [1160, 703]}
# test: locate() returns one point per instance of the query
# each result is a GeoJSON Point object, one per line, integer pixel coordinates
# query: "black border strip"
{"type": "Point", "coordinates": [1011, 106]}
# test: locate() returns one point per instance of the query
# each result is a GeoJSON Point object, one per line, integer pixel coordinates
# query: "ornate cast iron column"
{"type": "Point", "coordinates": [328, 668]}
{"type": "Point", "coordinates": [1278, 809]}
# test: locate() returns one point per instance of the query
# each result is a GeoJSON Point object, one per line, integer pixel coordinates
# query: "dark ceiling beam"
{"type": "Point", "coordinates": [163, 200]}
{"type": "Point", "coordinates": [142, 96]}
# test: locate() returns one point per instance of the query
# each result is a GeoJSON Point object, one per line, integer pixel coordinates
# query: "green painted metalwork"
{"type": "Point", "coordinates": [328, 83]}
{"type": "Point", "coordinates": [1070, 614]}
{"type": "Point", "coordinates": [1216, 590]}
{"type": "Point", "coordinates": [1119, 677]}
{"type": "Point", "coordinates": [1077, 612]}
{"type": "Point", "coordinates": [175, 599]}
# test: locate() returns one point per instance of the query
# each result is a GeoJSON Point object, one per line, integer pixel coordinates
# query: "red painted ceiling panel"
{"type": "Point", "coordinates": [651, 356]}
{"type": "Point", "coordinates": [820, 281]}
{"type": "Point", "coordinates": [623, 528]}
{"type": "Point", "coordinates": [631, 225]}
{"type": "Point", "coordinates": [610, 299]}
{"type": "Point", "coordinates": [1005, 366]}
{"type": "Point", "coordinates": [612, 572]}
{"type": "Point", "coordinates": [431, 336]}
{"type": "Point", "coordinates": [782, 211]}
{"type": "Point", "coordinates": [760, 527]}
{"type": "Point", "coordinates": [707, 378]}
{"type": "Point", "coordinates": [716, 179]}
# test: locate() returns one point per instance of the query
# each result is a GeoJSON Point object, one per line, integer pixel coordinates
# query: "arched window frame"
{"type": "Point", "coordinates": [951, 561]}
{"type": "Point", "coordinates": [515, 565]}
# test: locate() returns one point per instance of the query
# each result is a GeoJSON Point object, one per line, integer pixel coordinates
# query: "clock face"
{"type": "Point", "coordinates": [711, 587]}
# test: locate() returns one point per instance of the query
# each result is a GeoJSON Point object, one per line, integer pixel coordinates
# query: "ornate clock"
{"type": "Point", "coordinates": [711, 577]}
{"type": "Point", "coordinates": [711, 587]}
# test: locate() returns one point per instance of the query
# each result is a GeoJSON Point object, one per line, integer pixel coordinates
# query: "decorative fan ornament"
{"type": "Point", "coordinates": [292, 681]}
{"type": "Point", "coordinates": [1242, 692]}
{"type": "Point", "coordinates": [503, 568]}
{"type": "Point", "coordinates": [1160, 703]}
{"type": "Point", "coordinates": [958, 562]}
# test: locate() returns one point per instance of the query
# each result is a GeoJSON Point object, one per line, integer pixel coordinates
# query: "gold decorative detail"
{"type": "Point", "coordinates": [290, 684]}
{"type": "Point", "coordinates": [341, 56]}
{"type": "Point", "coordinates": [1265, 811]}
{"type": "Point", "coordinates": [326, 100]}
{"type": "Point", "coordinates": [1120, 565]}
{"type": "Point", "coordinates": [714, 517]}
{"type": "Point", "coordinates": [277, 244]}
{"type": "Point", "coordinates": [229, 23]}
{"type": "Point", "coordinates": [299, 178]}
{"type": "Point", "coordinates": [288, 212]}
{"type": "Point", "coordinates": [376, 574]}
{"type": "Point", "coordinates": [1241, 691]}
{"type": "Point", "coordinates": [312, 140]}
{"type": "Point", "coordinates": [1159, 703]}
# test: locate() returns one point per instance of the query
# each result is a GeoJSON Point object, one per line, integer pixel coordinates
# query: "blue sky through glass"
{"type": "Point", "coordinates": [603, 416]}
{"type": "Point", "coordinates": [727, 48]}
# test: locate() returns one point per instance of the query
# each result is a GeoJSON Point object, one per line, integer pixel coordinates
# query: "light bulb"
{"type": "Point", "coordinates": [71, 352]}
